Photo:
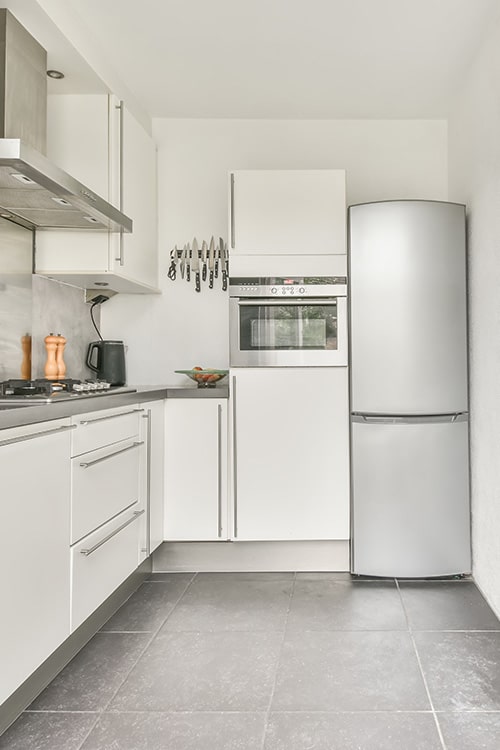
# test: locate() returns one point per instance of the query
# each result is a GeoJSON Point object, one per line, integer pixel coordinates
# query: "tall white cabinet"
{"type": "Point", "coordinates": [97, 140]}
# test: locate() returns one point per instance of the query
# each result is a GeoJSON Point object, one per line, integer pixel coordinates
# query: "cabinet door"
{"type": "Point", "coordinates": [196, 465]}
{"type": "Point", "coordinates": [292, 212]}
{"type": "Point", "coordinates": [135, 255]}
{"type": "Point", "coordinates": [153, 475]}
{"type": "Point", "coordinates": [34, 549]}
{"type": "Point", "coordinates": [290, 453]}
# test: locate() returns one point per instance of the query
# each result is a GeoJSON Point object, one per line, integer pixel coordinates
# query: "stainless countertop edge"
{"type": "Point", "coordinates": [36, 414]}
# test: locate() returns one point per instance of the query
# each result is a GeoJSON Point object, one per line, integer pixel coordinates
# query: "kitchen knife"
{"type": "Point", "coordinates": [217, 258]}
{"type": "Point", "coordinates": [182, 264]}
{"type": "Point", "coordinates": [174, 257]}
{"type": "Point", "coordinates": [224, 263]}
{"type": "Point", "coordinates": [204, 250]}
{"type": "Point", "coordinates": [195, 265]}
{"type": "Point", "coordinates": [188, 262]}
{"type": "Point", "coordinates": [211, 262]}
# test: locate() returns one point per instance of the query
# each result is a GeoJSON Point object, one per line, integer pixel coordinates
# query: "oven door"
{"type": "Point", "coordinates": [288, 332]}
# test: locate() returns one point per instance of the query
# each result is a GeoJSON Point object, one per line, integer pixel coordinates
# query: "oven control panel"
{"type": "Point", "coordinates": [325, 286]}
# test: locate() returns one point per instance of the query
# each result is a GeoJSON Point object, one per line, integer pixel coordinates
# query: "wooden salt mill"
{"type": "Point", "coordinates": [61, 366]}
{"type": "Point", "coordinates": [51, 366]}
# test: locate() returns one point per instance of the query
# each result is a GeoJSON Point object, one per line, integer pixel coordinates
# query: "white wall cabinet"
{"type": "Point", "coordinates": [152, 477]}
{"type": "Point", "coordinates": [290, 454]}
{"type": "Point", "coordinates": [287, 212]}
{"type": "Point", "coordinates": [35, 557]}
{"type": "Point", "coordinates": [97, 140]}
{"type": "Point", "coordinates": [196, 469]}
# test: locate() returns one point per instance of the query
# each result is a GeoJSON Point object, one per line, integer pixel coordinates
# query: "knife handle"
{"type": "Point", "coordinates": [216, 268]}
{"type": "Point", "coordinates": [188, 272]}
{"type": "Point", "coordinates": [197, 282]}
{"type": "Point", "coordinates": [204, 273]}
{"type": "Point", "coordinates": [211, 280]}
{"type": "Point", "coordinates": [224, 280]}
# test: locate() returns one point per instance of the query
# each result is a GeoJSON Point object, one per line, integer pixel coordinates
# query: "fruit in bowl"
{"type": "Point", "coordinates": [205, 377]}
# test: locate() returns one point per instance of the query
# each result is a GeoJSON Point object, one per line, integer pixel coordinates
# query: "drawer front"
{"type": "Point", "coordinates": [101, 562]}
{"type": "Point", "coordinates": [100, 428]}
{"type": "Point", "coordinates": [104, 482]}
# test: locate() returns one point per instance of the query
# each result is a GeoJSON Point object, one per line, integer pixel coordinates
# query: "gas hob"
{"type": "Point", "coordinates": [25, 392]}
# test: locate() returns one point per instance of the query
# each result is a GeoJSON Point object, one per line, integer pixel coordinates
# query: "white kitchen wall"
{"type": "Point", "coordinates": [384, 159]}
{"type": "Point", "coordinates": [474, 174]}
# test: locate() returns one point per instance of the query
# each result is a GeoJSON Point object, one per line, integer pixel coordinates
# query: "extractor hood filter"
{"type": "Point", "coordinates": [33, 191]}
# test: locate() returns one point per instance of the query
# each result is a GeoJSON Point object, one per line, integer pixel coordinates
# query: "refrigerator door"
{"type": "Point", "coordinates": [408, 307]}
{"type": "Point", "coordinates": [410, 488]}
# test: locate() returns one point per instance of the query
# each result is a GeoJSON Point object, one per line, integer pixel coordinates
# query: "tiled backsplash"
{"type": "Point", "coordinates": [60, 308]}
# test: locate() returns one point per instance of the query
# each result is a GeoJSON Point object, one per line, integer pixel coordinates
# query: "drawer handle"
{"type": "Point", "coordinates": [110, 416]}
{"type": "Point", "coordinates": [34, 435]}
{"type": "Point", "coordinates": [110, 455]}
{"type": "Point", "coordinates": [89, 551]}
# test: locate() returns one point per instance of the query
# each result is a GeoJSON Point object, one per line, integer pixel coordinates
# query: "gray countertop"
{"type": "Point", "coordinates": [42, 412]}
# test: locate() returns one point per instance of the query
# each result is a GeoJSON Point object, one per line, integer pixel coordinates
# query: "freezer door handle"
{"type": "Point", "coordinates": [417, 419]}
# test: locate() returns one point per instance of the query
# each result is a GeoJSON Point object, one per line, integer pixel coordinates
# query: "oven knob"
{"type": "Point", "coordinates": [273, 290]}
{"type": "Point", "coordinates": [301, 290]}
{"type": "Point", "coordinates": [291, 291]}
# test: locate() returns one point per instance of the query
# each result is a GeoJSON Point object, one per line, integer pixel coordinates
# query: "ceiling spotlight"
{"type": "Point", "coordinates": [55, 74]}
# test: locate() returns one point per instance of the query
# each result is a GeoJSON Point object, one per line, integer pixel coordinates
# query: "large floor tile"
{"type": "Point", "coordinates": [90, 680]}
{"type": "Point", "coordinates": [48, 731]}
{"type": "Point", "coordinates": [180, 731]}
{"type": "Point", "coordinates": [342, 605]}
{"type": "Point", "coordinates": [349, 671]}
{"type": "Point", "coordinates": [462, 669]}
{"type": "Point", "coordinates": [203, 672]}
{"type": "Point", "coordinates": [148, 607]}
{"type": "Point", "coordinates": [470, 730]}
{"type": "Point", "coordinates": [352, 731]}
{"type": "Point", "coordinates": [215, 602]}
{"type": "Point", "coordinates": [454, 605]}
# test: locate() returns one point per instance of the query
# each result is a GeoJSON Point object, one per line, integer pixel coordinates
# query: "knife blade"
{"type": "Point", "coordinates": [211, 261]}
{"type": "Point", "coordinates": [188, 262]}
{"type": "Point", "coordinates": [204, 251]}
{"type": "Point", "coordinates": [195, 265]}
{"type": "Point", "coordinates": [224, 265]}
{"type": "Point", "coordinates": [182, 264]}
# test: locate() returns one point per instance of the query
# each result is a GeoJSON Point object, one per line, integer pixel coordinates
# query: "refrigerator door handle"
{"type": "Point", "coordinates": [417, 419]}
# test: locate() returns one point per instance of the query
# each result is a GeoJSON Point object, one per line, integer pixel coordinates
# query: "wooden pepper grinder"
{"type": "Point", "coordinates": [61, 366]}
{"type": "Point", "coordinates": [51, 367]}
{"type": "Point", "coordinates": [26, 361]}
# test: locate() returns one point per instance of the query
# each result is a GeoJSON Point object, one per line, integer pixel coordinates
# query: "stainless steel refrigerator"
{"type": "Point", "coordinates": [408, 389]}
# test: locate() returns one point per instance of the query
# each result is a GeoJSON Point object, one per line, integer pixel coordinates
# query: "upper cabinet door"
{"type": "Point", "coordinates": [287, 212]}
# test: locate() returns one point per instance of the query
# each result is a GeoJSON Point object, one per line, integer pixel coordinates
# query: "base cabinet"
{"type": "Point", "coordinates": [34, 551]}
{"type": "Point", "coordinates": [290, 438]}
{"type": "Point", "coordinates": [196, 469]}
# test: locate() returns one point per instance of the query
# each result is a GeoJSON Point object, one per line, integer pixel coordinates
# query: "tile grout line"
{"type": "Point", "coordinates": [429, 697]}
{"type": "Point", "coordinates": [141, 654]}
{"type": "Point", "coordinates": [273, 689]}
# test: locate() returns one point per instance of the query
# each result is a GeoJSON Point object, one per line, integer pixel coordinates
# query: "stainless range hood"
{"type": "Point", "coordinates": [34, 192]}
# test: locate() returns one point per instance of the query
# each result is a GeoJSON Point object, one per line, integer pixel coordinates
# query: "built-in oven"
{"type": "Point", "coordinates": [288, 322]}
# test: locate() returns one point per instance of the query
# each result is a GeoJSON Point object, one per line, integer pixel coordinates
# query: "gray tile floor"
{"type": "Point", "coordinates": [279, 662]}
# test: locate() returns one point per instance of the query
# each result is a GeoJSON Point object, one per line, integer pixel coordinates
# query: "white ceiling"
{"type": "Point", "coordinates": [290, 58]}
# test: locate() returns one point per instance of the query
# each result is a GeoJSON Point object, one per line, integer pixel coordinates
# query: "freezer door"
{"type": "Point", "coordinates": [410, 497]}
{"type": "Point", "coordinates": [408, 307]}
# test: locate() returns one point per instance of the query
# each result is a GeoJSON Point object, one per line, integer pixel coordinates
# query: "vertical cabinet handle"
{"type": "Point", "coordinates": [147, 416]}
{"type": "Point", "coordinates": [219, 470]}
{"type": "Point", "coordinates": [232, 212]}
{"type": "Point", "coordinates": [235, 463]}
{"type": "Point", "coordinates": [121, 258]}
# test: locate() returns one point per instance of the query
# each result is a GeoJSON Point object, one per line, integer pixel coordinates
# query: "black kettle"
{"type": "Point", "coordinates": [108, 361]}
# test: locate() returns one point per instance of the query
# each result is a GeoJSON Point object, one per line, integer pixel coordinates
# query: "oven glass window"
{"type": "Point", "coordinates": [281, 327]}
